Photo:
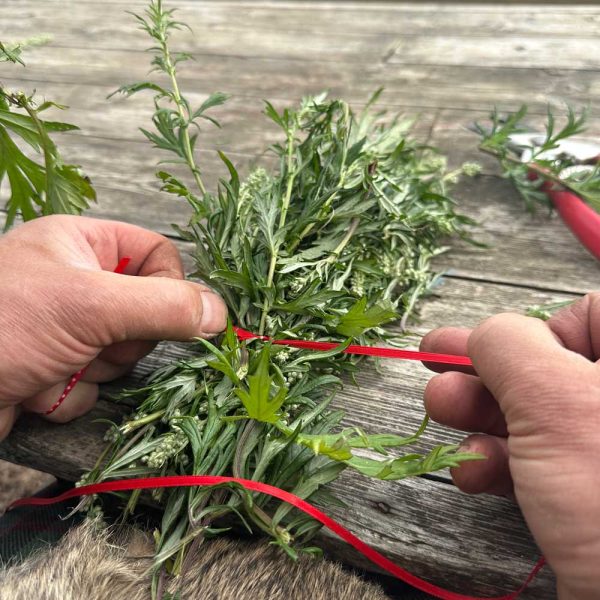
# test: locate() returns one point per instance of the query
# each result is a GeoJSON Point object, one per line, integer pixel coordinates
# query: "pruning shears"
{"type": "Point", "coordinates": [579, 217]}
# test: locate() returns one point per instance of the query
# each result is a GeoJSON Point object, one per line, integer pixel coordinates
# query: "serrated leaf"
{"type": "Point", "coordinates": [360, 318]}
{"type": "Point", "coordinates": [261, 403]}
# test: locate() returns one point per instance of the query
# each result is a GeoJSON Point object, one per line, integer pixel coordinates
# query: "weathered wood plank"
{"type": "Point", "coordinates": [410, 19]}
{"type": "Point", "coordinates": [414, 86]}
{"type": "Point", "coordinates": [68, 22]}
{"type": "Point", "coordinates": [109, 27]}
{"type": "Point", "coordinates": [245, 128]}
{"type": "Point", "coordinates": [484, 6]}
{"type": "Point", "coordinates": [522, 51]}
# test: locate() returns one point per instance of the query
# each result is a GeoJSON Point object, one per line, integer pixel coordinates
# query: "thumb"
{"type": "Point", "coordinates": [540, 385]}
{"type": "Point", "coordinates": [151, 308]}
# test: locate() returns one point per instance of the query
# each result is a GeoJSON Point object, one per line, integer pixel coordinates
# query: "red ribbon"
{"type": "Point", "coordinates": [449, 359]}
{"type": "Point", "coordinates": [75, 378]}
{"type": "Point", "coordinates": [263, 488]}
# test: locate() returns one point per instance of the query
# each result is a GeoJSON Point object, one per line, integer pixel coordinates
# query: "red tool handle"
{"type": "Point", "coordinates": [579, 217]}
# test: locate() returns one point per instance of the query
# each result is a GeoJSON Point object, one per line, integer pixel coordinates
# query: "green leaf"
{"type": "Point", "coordinates": [12, 54]}
{"type": "Point", "coordinates": [259, 400]}
{"type": "Point", "coordinates": [133, 88]}
{"type": "Point", "coordinates": [309, 299]}
{"type": "Point", "coordinates": [215, 99]}
{"type": "Point", "coordinates": [232, 278]}
{"type": "Point", "coordinates": [412, 465]}
{"type": "Point", "coordinates": [360, 318]}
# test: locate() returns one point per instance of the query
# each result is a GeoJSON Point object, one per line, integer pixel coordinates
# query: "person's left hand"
{"type": "Point", "coordinates": [62, 308]}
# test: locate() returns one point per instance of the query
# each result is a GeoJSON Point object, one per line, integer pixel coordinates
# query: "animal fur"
{"type": "Point", "coordinates": [91, 563]}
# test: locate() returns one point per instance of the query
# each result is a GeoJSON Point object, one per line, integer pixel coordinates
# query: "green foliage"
{"type": "Point", "coordinates": [496, 140]}
{"type": "Point", "coordinates": [176, 129]}
{"type": "Point", "coordinates": [545, 311]}
{"type": "Point", "coordinates": [332, 244]}
{"type": "Point", "coordinates": [11, 53]}
{"type": "Point", "coordinates": [49, 187]}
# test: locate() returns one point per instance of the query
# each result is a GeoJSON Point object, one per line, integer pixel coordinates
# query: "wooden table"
{"type": "Point", "coordinates": [450, 63]}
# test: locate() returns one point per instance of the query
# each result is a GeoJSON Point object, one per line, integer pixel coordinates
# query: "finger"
{"type": "Point", "coordinates": [151, 254]}
{"type": "Point", "coordinates": [101, 371]}
{"type": "Point", "coordinates": [146, 308]}
{"type": "Point", "coordinates": [578, 326]}
{"type": "Point", "coordinates": [462, 401]}
{"type": "Point", "coordinates": [80, 401]}
{"type": "Point", "coordinates": [490, 476]}
{"type": "Point", "coordinates": [127, 353]}
{"type": "Point", "coordinates": [446, 340]}
{"type": "Point", "coordinates": [8, 416]}
{"type": "Point", "coordinates": [520, 360]}
{"type": "Point", "coordinates": [117, 360]}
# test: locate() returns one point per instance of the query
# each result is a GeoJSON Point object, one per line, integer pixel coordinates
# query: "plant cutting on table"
{"type": "Point", "coordinates": [553, 169]}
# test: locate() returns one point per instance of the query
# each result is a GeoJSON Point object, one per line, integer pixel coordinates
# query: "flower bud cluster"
{"type": "Point", "coordinates": [293, 377]}
{"type": "Point", "coordinates": [169, 447]}
{"type": "Point", "coordinates": [171, 444]}
{"type": "Point", "coordinates": [357, 284]}
{"type": "Point", "coordinates": [298, 284]}
{"type": "Point", "coordinates": [471, 169]}
{"type": "Point", "coordinates": [112, 435]}
{"type": "Point", "coordinates": [256, 181]}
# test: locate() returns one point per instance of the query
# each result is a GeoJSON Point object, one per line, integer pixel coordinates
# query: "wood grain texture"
{"type": "Point", "coordinates": [521, 51]}
{"type": "Point", "coordinates": [348, 19]}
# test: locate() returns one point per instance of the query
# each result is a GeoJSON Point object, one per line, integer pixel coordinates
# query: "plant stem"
{"type": "Point", "coordinates": [532, 166]}
{"type": "Point", "coordinates": [184, 126]}
{"type": "Point", "coordinates": [338, 250]}
{"type": "Point", "coordinates": [291, 176]}
{"type": "Point", "coordinates": [48, 147]}
{"type": "Point", "coordinates": [128, 427]}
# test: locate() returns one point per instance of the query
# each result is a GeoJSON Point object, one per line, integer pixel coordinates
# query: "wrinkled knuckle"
{"type": "Point", "coordinates": [489, 328]}
{"type": "Point", "coordinates": [91, 310]}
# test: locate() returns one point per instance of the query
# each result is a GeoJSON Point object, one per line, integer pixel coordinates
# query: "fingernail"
{"type": "Point", "coordinates": [214, 314]}
{"type": "Point", "coordinates": [465, 447]}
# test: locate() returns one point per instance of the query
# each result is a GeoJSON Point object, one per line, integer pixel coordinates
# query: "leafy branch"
{"type": "Point", "coordinates": [51, 187]}
{"type": "Point", "coordinates": [542, 158]}
{"type": "Point", "coordinates": [172, 125]}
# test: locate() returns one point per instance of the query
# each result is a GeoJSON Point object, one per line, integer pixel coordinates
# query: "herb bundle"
{"type": "Point", "coordinates": [333, 244]}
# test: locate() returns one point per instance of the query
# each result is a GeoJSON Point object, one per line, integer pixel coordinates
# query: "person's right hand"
{"type": "Point", "coordinates": [535, 405]}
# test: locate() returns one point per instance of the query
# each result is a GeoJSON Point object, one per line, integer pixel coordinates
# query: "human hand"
{"type": "Point", "coordinates": [536, 407]}
{"type": "Point", "coordinates": [62, 308]}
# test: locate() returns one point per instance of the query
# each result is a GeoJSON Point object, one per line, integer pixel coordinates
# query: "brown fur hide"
{"type": "Point", "coordinates": [91, 563]}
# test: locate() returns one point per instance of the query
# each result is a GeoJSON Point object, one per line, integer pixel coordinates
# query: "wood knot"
{"type": "Point", "coordinates": [383, 507]}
